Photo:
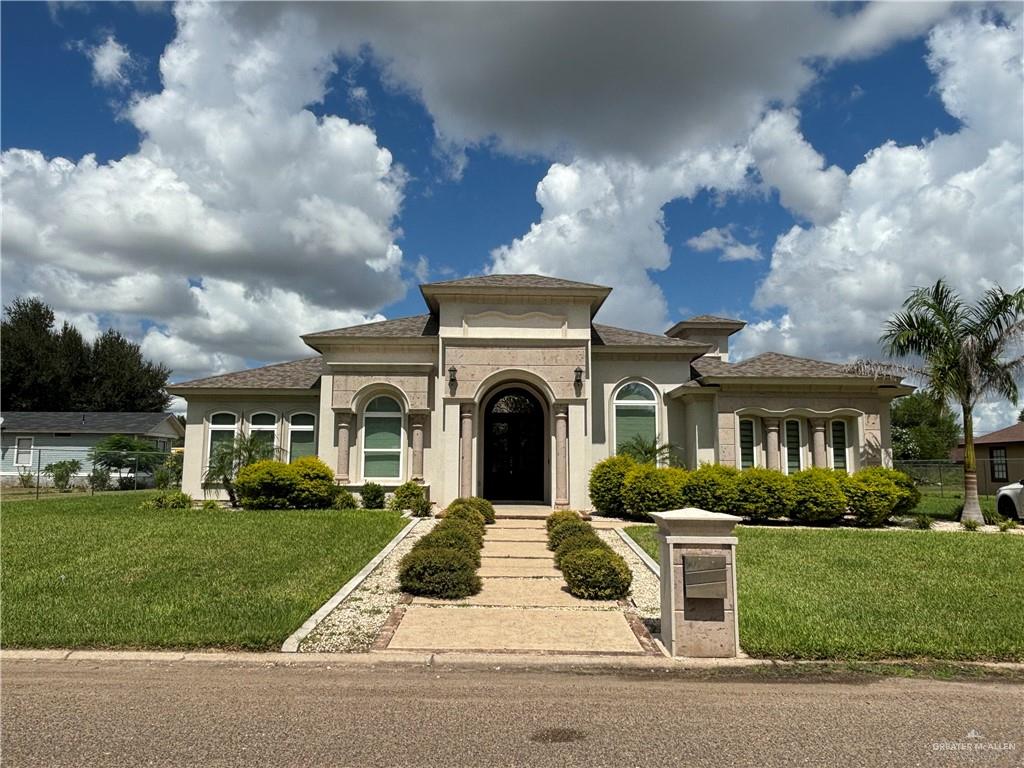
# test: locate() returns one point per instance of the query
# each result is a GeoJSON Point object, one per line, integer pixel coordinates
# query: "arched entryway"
{"type": "Point", "coordinates": [514, 446]}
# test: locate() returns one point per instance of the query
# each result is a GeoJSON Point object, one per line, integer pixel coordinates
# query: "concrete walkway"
{"type": "Point", "coordinates": [523, 606]}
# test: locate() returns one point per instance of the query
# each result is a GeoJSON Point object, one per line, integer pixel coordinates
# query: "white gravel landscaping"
{"type": "Point", "coordinates": [646, 590]}
{"type": "Point", "coordinates": [355, 623]}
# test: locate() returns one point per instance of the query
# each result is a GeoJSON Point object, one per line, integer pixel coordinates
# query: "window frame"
{"type": "Point", "coordinates": [211, 428]}
{"type": "Point", "coordinates": [17, 450]}
{"type": "Point", "coordinates": [801, 459]}
{"type": "Point", "coordinates": [755, 430]}
{"type": "Point", "coordinates": [848, 465]}
{"type": "Point", "coordinates": [653, 403]}
{"type": "Point", "coordinates": [400, 450]}
{"type": "Point", "coordinates": [292, 428]}
{"type": "Point", "coordinates": [264, 428]}
{"type": "Point", "coordinates": [1003, 461]}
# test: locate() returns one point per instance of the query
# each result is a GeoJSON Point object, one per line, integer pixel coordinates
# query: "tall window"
{"type": "Point", "coordinates": [635, 414]}
{"type": "Point", "coordinates": [1000, 468]}
{"type": "Point", "coordinates": [263, 427]}
{"type": "Point", "coordinates": [222, 430]}
{"type": "Point", "coordinates": [301, 436]}
{"type": "Point", "coordinates": [839, 445]}
{"type": "Point", "coordinates": [382, 439]}
{"type": "Point", "coordinates": [23, 452]}
{"type": "Point", "coordinates": [746, 443]}
{"type": "Point", "coordinates": [793, 446]}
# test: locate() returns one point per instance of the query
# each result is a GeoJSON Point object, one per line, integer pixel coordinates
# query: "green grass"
{"type": "Point", "coordinates": [949, 506]}
{"type": "Point", "coordinates": [848, 594]}
{"type": "Point", "coordinates": [81, 571]}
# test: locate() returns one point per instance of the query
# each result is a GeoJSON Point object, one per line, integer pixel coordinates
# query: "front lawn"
{"type": "Point", "coordinates": [94, 571]}
{"type": "Point", "coordinates": [949, 506]}
{"type": "Point", "coordinates": [855, 594]}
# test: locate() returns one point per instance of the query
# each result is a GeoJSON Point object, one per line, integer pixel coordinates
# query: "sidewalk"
{"type": "Point", "coordinates": [523, 606]}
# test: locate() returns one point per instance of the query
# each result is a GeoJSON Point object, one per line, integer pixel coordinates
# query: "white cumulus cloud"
{"type": "Point", "coordinates": [110, 62]}
{"type": "Point", "coordinates": [722, 239]}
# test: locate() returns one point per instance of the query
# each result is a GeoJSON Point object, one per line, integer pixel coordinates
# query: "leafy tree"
{"type": "Point", "coordinates": [922, 428]}
{"type": "Point", "coordinates": [966, 353]}
{"type": "Point", "coordinates": [121, 453]}
{"type": "Point", "coordinates": [28, 348]}
{"type": "Point", "coordinates": [228, 458]}
{"type": "Point", "coordinates": [123, 380]}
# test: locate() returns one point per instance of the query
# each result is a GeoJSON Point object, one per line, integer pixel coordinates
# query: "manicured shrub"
{"type": "Point", "coordinates": [651, 489]}
{"type": "Point", "coordinates": [483, 506]}
{"type": "Point", "coordinates": [439, 572]}
{"type": "Point", "coordinates": [560, 516]}
{"type": "Point", "coordinates": [405, 496]}
{"type": "Point", "coordinates": [62, 472]}
{"type": "Point", "coordinates": [606, 481]}
{"type": "Point", "coordinates": [168, 500]}
{"type": "Point", "coordinates": [910, 495]}
{"type": "Point", "coordinates": [818, 497]}
{"type": "Point", "coordinates": [463, 510]}
{"type": "Point", "coordinates": [458, 537]}
{"type": "Point", "coordinates": [711, 487]}
{"type": "Point", "coordinates": [315, 488]}
{"type": "Point", "coordinates": [763, 493]}
{"type": "Point", "coordinates": [596, 574]}
{"type": "Point", "coordinates": [267, 484]}
{"type": "Point", "coordinates": [564, 530]}
{"type": "Point", "coordinates": [421, 507]}
{"type": "Point", "coordinates": [343, 499]}
{"type": "Point", "coordinates": [372, 496]}
{"type": "Point", "coordinates": [578, 541]}
{"type": "Point", "coordinates": [458, 523]}
{"type": "Point", "coordinates": [871, 498]}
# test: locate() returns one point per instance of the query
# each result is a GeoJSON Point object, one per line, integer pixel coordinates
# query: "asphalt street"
{"type": "Point", "coordinates": [88, 713]}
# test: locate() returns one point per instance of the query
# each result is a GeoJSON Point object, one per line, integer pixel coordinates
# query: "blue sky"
{"type": "Point", "coordinates": [460, 193]}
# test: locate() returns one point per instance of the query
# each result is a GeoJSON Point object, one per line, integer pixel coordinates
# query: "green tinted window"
{"type": "Point", "coordinates": [383, 432]}
{"type": "Point", "coordinates": [220, 437]}
{"type": "Point", "coordinates": [301, 444]}
{"type": "Point", "coordinates": [839, 445]}
{"type": "Point", "coordinates": [382, 465]}
{"type": "Point", "coordinates": [635, 391]}
{"type": "Point", "coordinates": [634, 420]}
{"type": "Point", "coordinates": [746, 444]}
{"type": "Point", "coordinates": [793, 446]}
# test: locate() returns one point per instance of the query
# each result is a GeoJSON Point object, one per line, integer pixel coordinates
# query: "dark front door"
{"type": "Point", "coordinates": [514, 447]}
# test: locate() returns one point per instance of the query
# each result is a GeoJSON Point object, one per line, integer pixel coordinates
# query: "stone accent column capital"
{"type": "Point", "coordinates": [771, 425]}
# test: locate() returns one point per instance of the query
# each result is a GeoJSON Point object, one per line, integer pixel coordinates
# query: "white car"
{"type": "Point", "coordinates": [1010, 501]}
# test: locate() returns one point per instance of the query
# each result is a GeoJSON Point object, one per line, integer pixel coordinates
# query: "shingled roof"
{"type": "Point", "coordinates": [610, 336]}
{"type": "Point", "coordinates": [87, 422]}
{"type": "Point", "coordinates": [297, 374]}
{"type": "Point", "coordinates": [399, 328]}
{"type": "Point", "coordinates": [512, 281]}
{"type": "Point", "coordinates": [773, 364]}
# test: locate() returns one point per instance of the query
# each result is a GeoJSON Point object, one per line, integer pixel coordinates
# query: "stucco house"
{"type": "Point", "coordinates": [29, 440]}
{"type": "Point", "coordinates": [507, 388]}
{"type": "Point", "coordinates": [1000, 458]}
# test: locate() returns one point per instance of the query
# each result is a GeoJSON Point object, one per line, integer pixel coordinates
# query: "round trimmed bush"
{"type": "Point", "coordinates": [439, 572]}
{"type": "Point", "coordinates": [711, 487]}
{"type": "Point", "coordinates": [606, 481]}
{"type": "Point", "coordinates": [871, 498]}
{"type": "Point", "coordinates": [405, 496]}
{"type": "Point", "coordinates": [343, 499]}
{"type": "Point", "coordinates": [763, 493]}
{"type": "Point", "coordinates": [267, 484]}
{"type": "Point", "coordinates": [458, 537]}
{"type": "Point", "coordinates": [372, 496]}
{"type": "Point", "coordinates": [421, 507]}
{"type": "Point", "coordinates": [564, 530]}
{"type": "Point", "coordinates": [910, 495]}
{"type": "Point", "coordinates": [462, 510]}
{"type": "Point", "coordinates": [818, 497]}
{"type": "Point", "coordinates": [470, 527]}
{"type": "Point", "coordinates": [577, 541]}
{"type": "Point", "coordinates": [484, 507]}
{"type": "Point", "coordinates": [648, 488]}
{"type": "Point", "coordinates": [315, 488]}
{"type": "Point", "coordinates": [596, 574]}
{"type": "Point", "coordinates": [560, 516]}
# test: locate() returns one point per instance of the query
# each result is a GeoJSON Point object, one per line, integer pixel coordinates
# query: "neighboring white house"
{"type": "Point", "coordinates": [508, 389]}
{"type": "Point", "coordinates": [29, 440]}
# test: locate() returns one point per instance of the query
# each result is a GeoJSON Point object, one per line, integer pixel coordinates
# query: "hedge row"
{"type": "Point", "coordinates": [591, 569]}
{"type": "Point", "coordinates": [620, 486]}
{"type": "Point", "coordinates": [444, 563]}
{"type": "Point", "coordinates": [306, 483]}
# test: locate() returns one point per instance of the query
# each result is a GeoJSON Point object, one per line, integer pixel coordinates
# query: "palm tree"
{"type": "Point", "coordinates": [648, 451]}
{"type": "Point", "coordinates": [966, 353]}
{"type": "Point", "coordinates": [227, 458]}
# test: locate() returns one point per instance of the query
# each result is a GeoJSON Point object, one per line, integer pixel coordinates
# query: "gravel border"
{"type": "Point", "coordinates": [359, 618]}
{"type": "Point", "coordinates": [645, 594]}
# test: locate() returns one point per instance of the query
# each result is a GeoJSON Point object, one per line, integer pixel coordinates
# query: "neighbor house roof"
{"type": "Point", "coordinates": [610, 336]}
{"type": "Point", "coordinates": [87, 422]}
{"type": "Point", "coordinates": [1013, 434]}
{"type": "Point", "coordinates": [773, 364]}
{"type": "Point", "coordinates": [297, 374]}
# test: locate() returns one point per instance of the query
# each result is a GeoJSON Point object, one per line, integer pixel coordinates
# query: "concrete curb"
{"type": "Point", "coordinates": [639, 552]}
{"type": "Point", "coordinates": [291, 645]}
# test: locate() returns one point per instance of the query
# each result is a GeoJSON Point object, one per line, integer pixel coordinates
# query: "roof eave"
{"type": "Point", "coordinates": [272, 391]}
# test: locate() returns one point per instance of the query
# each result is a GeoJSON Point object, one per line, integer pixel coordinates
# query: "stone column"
{"type": "Point", "coordinates": [466, 451]}
{"type": "Point", "coordinates": [771, 443]}
{"type": "Point", "coordinates": [818, 456]}
{"type": "Point", "coordinates": [561, 456]}
{"type": "Point", "coordinates": [344, 426]}
{"type": "Point", "coordinates": [416, 423]}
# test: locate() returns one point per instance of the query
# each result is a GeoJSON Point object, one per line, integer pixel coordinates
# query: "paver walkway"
{"type": "Point", "coordinates": [523, 606]}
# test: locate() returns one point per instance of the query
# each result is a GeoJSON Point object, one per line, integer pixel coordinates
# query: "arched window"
{"type": "Point", "coordinates": [301, 435]}
{"type": "Point", "coordinates": [636, 414]}
{"type": "Point", "coordinates": [223, 428]}
{"type": "Point", "coordinates": [382, 439]}
{"type": "Point", "coordinates": [263, 427]}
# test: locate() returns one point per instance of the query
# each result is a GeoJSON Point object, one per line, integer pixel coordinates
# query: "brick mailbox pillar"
{"type": "Point", "coordinates": [698, 583]}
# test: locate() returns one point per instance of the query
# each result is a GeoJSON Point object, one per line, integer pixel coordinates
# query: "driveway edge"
{"type": "Point", "coordinates": [291, 645]}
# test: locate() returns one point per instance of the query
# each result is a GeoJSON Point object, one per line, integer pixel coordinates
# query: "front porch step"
{"type": "Point", "coordinates": [521, 511]}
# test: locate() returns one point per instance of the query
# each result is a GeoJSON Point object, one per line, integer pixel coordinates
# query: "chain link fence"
{"type": "Point", "coordinates": [946, 478]}
{"type": "Point", "coordinates": [42, 470]}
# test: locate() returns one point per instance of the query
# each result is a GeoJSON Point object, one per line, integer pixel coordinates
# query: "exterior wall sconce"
{"type": "Point", "coordinates": [452, 381]}
{"type": "Point", "coordinates": [578, 381]}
